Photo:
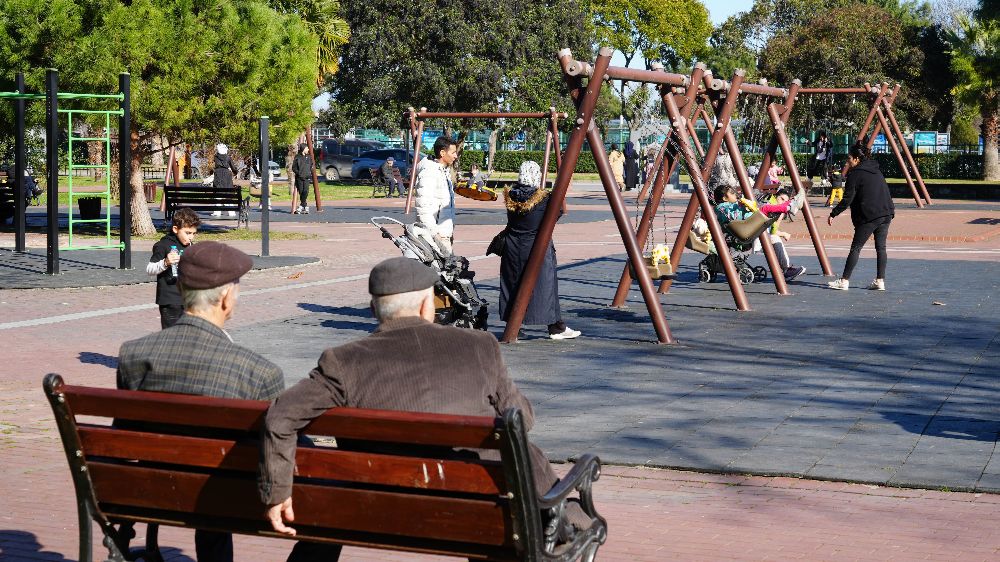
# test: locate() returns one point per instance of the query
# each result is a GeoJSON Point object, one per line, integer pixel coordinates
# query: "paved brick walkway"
{"type": "Point", "coordinates": [653, 514]}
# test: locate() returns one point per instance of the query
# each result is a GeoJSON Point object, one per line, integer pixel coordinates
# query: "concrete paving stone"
{"type": "Point", "coordinates": [766, 462]}
{"type": "Point", "coordinates": [989, 482]}
{"type": "Point", "coordinates": [868, 473]}
{"type": "Point", "coordinates": [932, 476]}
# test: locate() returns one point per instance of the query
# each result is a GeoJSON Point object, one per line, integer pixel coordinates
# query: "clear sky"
{"type": "Point", "coordinates": [719, 10]}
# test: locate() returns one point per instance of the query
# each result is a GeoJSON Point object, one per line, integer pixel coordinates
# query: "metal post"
{"type": "Point", "coordinates": [124, 171]}
{"type": "Point", "coordinates": [863, 132]}
{"type": "Point", "coordinates": [20, 222]}
{"type": "Point", "coordinates": [52, 163]}
{"type": "Point", "coordinates": [899, 156]}
{"type": "Point", "coordinates": [418, 135]}
{"type": "Point", "coordinates": [906, 151]}
{"type": "Point", "coordinates": [554, 129]}
{"type": "Point", "coordinates": [264, 135]}
{"type": "Point", "coordinates": [545, 159]}
{"type": "Point", "coordinates": [793, 173]}
{"type": "Point", "coordinates": [656, 166]}
{"type": "Point", "coordinates": [701, 190]}
{"type": "Point", "coordinates": [312, 158]}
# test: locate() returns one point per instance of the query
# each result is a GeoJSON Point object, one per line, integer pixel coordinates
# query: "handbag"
{"type": "Point", "coordinates": [498, 245]}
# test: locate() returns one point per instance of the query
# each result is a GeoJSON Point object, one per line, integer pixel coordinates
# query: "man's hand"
{"type": "Point", "coordinates": [829, 220]}
{"type": "Point", "coordinates": [275, 514]}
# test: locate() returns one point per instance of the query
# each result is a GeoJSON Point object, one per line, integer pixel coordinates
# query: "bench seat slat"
{"type": "Point", "coordinates": [474, 476]}
{"type": "Point", "coordinates": [352, 509]}
{"type": "Point", "coordinates": [247, 415]}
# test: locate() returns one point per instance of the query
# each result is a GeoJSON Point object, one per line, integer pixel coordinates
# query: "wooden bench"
{"type": "Point", "coordinates": [207, 199]}
{"type": "Point", "coordinates": [191, 461]}
{"type": "Point", "coordinates": [379, 183]}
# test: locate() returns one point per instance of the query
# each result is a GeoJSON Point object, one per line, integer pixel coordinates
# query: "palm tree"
{"type": "Point", "coordinates": [975, 51]}
{"type": "Point", "coordinates": [322, 18]}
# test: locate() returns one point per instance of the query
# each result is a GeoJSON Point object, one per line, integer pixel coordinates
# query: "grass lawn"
{"type": "Point", "coordinates": [211, 232]}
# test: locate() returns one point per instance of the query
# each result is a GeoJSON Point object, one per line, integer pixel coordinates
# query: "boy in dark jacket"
{"type": "Point", "coordinates": [163, 264]}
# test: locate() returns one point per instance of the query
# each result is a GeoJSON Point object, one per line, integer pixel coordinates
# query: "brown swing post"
{"type": "Point", "coordinates": [585, 99]}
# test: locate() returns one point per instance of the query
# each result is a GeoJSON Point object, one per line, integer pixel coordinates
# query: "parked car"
{"type": "Point", "coordinates": [375, 158]}
{"type": "Point", "coordinates": [275, 168]}
{"type": "Point", "coordinates": [336, 156]}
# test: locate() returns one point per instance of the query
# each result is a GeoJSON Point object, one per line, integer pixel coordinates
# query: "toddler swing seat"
{"type": "Point", "coordinates": [740, 237]}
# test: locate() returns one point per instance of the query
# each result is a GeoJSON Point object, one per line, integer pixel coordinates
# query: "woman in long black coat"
{"type": "Point", "coordinates": [224, 168]}
{"type": "Point", "coordinates": [631, 166]}
{"type": "Point", "coordinates": [526, 204]}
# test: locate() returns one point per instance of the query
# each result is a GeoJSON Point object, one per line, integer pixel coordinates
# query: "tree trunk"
{"type": "Point", "coordinates": [142, 223]}
{"type": "Point", "coordinates": [991, 159]}
{"type": "Point", "coordinates": [494, 136]}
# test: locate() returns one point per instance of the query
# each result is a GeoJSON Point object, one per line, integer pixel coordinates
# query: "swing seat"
{"type": "Point", "coordinates": [657, 271]}
{"type": "Point", "coordinates": [748, 229]}
{"type": "Point", "coordinates": [697, 244]}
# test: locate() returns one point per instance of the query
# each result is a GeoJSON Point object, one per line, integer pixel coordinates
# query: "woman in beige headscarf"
{"type": "Point", "coordinates": [617, 160]}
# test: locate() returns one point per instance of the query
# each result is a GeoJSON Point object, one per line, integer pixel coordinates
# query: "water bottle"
{"type": "Point", "coordinates": [173, 266]}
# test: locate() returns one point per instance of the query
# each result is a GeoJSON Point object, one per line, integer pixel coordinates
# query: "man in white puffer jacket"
{"type": "Point", "coordinates": [435, 195]}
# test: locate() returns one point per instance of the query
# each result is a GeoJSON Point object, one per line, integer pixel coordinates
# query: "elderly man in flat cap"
{"type": "Point", "coordinates": [409, 363]}
{"type": "Point", "coordinates": [197, 356]}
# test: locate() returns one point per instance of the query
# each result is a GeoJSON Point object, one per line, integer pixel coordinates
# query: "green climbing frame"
{"type": "Point", "coordinates": [106, 193]}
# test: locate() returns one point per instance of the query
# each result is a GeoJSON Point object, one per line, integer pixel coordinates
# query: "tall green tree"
{"type": "Point", "coordinates": [201, 70]}
{"type": "Point", "coordinates": [668, 31]}
{"type": "Point", "coordinates": [457, 55]}
{"type": "Point", "coordinates": [975, 49]}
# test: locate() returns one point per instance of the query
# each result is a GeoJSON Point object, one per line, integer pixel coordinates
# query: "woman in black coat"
{"type": "Point", "coordinates": [224, 168]}
{"type": "Point", "coordinates": [867, 194]}
{"type": "Point", "coordinates": [631, 166]}
{"type": "Point", "coordinates": [526, 204]}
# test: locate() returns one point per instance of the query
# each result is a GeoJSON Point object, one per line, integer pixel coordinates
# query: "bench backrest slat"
{"type": "Point", "coordinates": [474, 477]}
{"type": "Point", "coordinates": [481, 521]}
{"type": "Point", "coordinates": [248, 415]}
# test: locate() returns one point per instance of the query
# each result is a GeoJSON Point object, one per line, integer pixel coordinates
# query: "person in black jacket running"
{"type": "Point", "coordinates": [872, 210]}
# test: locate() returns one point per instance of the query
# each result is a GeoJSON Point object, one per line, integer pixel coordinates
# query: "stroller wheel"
{"type": "Point", "coordinates": [746, 275]}
{"type": "Point", "coordinates": [704, 275]}
{"type": "Point", "coordinates": [759, 273]}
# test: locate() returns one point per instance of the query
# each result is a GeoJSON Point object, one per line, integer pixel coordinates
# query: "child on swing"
{"type": "Point", "coordinates": [730, 206]}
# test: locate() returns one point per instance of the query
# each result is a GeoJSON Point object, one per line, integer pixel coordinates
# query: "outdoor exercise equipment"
{"type": "Point", "coordinates": [416, 121]}
{"type": "Point", "coordinates": [52, 111]}
{"type": "Point", "coordinates": [880, 113]}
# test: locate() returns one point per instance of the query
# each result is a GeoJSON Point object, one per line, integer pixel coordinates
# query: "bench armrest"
{"type": "Point", "coordinates": [586, 470]}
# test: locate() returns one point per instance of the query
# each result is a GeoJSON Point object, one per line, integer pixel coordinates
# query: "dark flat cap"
{"type": "Point", "coordinates": [400, 275]}
{"type": "Point", "coordinates": [210, 264]}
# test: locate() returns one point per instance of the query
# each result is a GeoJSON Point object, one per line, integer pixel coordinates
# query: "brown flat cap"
{"type": "Point", "coordinates": [210, 264]}
{"type": "Point", "coordinates": [400, 275]}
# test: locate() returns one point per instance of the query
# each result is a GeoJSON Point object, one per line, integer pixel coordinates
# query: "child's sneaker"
{"type": "Point", "coordinates": [794, 272]}
{"type": "Point", "coordinates": [877, 285]}
{"type": "Point", "coordinates": [797, 202]}
{"type": "Point", "coordinates": [839, 284]}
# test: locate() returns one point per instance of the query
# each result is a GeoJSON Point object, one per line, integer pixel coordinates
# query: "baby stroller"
{"type": "Point", "coordinates": [457, 302]}
{"type": "Point", "coordinates": [741, 238]}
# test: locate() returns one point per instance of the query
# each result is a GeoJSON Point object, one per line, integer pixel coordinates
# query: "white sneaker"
{"type": "Point", "coordinates": [297, 211]}
{"type": "Point", "coordinates": [566, 334]}
{"type": "Point", "coordinates": [839, 284]}
{"type": "Point", "coordinates": [797, 202]}
{"type": "Point", "coordinates": [305, 209]}
{"type": "Point", "coordinates": [877, 285]}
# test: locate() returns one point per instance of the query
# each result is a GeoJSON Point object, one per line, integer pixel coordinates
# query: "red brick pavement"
{"type": "Point", "coordinates": [653, 514]}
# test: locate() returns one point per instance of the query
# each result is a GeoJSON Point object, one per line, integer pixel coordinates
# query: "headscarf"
{"type": "Point", "coordinates": [630, 150]}
{"type": "Point", "coordinates": [221, 148]}
{"type": "Point", "coordinates": [530, 174]}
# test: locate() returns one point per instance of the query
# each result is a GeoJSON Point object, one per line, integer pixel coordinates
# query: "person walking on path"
{"type": "Point", "coordinates": [631, 166]}
{"type": "Point", "coordinates": [526, 204]}
{"type": "Point", "coordinates": [302, 168]}
{"type": "Point", "coordinates": [617, 161]}
{"type": "Point", "coordinates": [822, 155]}
{"type": "Point", "coordinates": [164, 264]}
{"type": "Point", "coordinates": [435, 195]}
{"type": "Point", "coordinates": [223, 172]}
{"type": "Point", "coordinates": [867, 194]}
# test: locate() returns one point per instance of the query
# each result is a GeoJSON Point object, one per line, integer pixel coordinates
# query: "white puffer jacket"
{"type": "Point", "coordinates": [435, 198]}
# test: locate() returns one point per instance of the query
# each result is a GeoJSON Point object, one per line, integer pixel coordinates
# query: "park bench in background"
{"type": "Point", "coordinates": [207, 199]}
{"type": "Point", "coordinates": [379, 184]}
{"type": "Point", "coordinates": [191, 461]}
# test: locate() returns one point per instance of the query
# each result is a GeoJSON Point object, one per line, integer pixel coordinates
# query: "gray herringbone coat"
{"type": "Point", "coordinates": [196, 357]}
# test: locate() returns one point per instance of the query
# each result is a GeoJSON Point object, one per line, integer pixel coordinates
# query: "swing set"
{"type": "Point", "coordinates": [52, 97]}
{"type": "Point", "coordinates": [416, 120]}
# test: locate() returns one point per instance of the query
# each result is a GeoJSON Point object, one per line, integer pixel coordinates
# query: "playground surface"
{"type": "Point", "coordinates": [857, 425]}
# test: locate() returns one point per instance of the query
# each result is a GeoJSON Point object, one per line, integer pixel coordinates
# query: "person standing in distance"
{"type": "Point", "coordinates": [302, 168]}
